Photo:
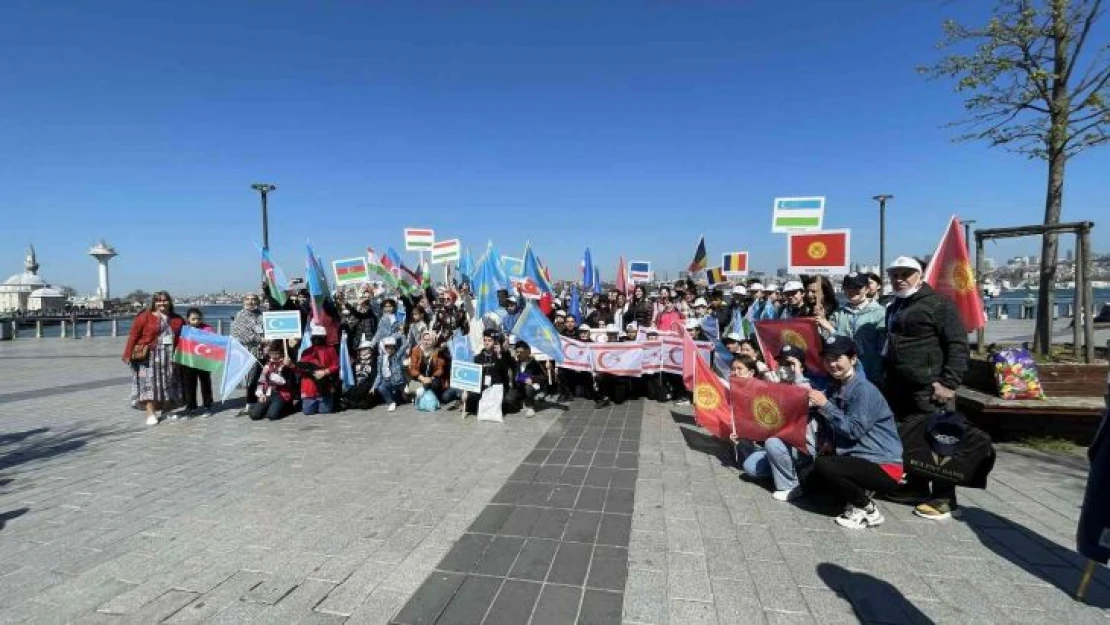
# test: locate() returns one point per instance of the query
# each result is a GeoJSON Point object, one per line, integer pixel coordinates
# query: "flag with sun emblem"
{"type": "Point", "coordinates": [535, 329]}
{"type": "Point", "coordinates": [710, 397]}
{"type": "Point", "coordinates": [801, 333]}
{"type": "Point", "coordinates": [950, 274]}
{"type": "Point", "coordinates": [763, 410]}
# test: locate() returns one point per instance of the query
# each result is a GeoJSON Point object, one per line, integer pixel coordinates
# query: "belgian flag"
{"type": "Point", "coordinates": [701, 260]}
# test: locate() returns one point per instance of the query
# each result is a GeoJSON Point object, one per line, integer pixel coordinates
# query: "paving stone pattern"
{"type": "Point", "coordinates": [552, 545]}
{"type": "Point", "coordinates": [370, 517]}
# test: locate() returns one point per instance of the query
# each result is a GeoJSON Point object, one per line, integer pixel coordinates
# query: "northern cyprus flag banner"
{"type": "Point", "coordinates": [419, 239]}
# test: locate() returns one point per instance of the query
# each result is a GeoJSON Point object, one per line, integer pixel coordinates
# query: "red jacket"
{"type": "Point", "coordinates": [144, 331]}
{"type": "Point", "coordinates": [324, 357]}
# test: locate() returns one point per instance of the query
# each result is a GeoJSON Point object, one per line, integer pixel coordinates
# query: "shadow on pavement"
{"type": "Point", "coordinates": [40, 444]}
{"type": "Point", "coordinates": [874, 600]}
{"type": "Point", "coordinates": [11, 514]}
{"type": "Point", "coordinates": [1037, 555]}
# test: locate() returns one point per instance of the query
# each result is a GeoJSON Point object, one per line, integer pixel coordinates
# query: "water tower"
{"type": "Point", "coordinates": [103, 253]}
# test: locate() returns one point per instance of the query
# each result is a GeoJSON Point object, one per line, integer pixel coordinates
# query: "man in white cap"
{"type": "Point", "coordinates": [924, 360]}
{"type": "Point", "coordinates": [793, 302]}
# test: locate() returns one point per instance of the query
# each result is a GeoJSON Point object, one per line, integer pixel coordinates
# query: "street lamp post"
{"type": "Point", "coordinates": [264, 189]}
{"type": "Point", "coordinates": [967, 237]}
{"type": "Point", "coordinates": [881, 199]}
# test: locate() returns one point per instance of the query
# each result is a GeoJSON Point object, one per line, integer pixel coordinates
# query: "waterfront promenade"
{"type": "Point", "coordinates": [626, 514]}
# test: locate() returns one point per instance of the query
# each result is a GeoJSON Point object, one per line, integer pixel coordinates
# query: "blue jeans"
{"type": "Point", "coordinates": [449, 395]}
{"type": "Point", "coordinates": [776, 460]}
{"type": "Point", "coordinates": [313, 405]}
{"type": "Point", "coordinates": [392, 394]}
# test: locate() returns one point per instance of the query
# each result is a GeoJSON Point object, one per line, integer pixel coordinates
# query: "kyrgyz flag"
{"type": "Point", "coordinates": [950, 274]}
{"type": "Point", "coordinates": [818, 250]}
{"type": "Point", "coordinates": [711, 407]}
{"type": "Point", "coordinates": [201, 350]}
{"type": "Point", "coordinates": [700, 258]}
{"type": "Point", "coordinates": [763, 410]}
{"type": "Point", "coordinates": [801, 333]}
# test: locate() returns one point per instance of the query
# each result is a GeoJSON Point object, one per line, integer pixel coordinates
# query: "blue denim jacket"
{"type": "Point", "coordinates": [861, 422]}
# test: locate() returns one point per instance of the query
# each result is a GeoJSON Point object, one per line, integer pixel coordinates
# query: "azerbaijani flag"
{"type": "Point", "coordinates": [201, 350]}
{"type": "Point", "coordinates": [736, 262]}
{"type": "Point", "coordinates": [275, 277]}
{"type": "Point", "coordinates": [350, 270]}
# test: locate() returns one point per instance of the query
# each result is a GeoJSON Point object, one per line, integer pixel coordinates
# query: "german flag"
{"type": "Point", "coordinates": [700, 261]}
{"type": "Point", "coordinates": [818, 250]}
{"type": "Point", "coordinates": [736, 262]}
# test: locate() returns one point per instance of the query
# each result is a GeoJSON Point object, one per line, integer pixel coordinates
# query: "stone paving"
{"type": "Point", "coordinates": [363, 517]}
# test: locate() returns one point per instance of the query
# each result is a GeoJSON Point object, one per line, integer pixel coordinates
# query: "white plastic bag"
{"type": "Point", "coordinates": [489, 406]}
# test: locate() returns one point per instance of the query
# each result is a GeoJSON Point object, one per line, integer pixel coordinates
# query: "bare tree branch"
{"type": "Point", "coordinates": [1093, 14]}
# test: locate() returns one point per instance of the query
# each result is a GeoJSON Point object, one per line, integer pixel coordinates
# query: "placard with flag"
{"type": "Point", "coordinates": [466, 376]}
{"type": "Point", "coordinates": [801, 333]}
{"type": "Point", "coordinates": [448, 251]}
{"type": "Point", "coordinates": [950, 273]}
{"type": "Point", "coordinates": [818, 253]}
{"type": "Point", "coordinates": [640, 270]}
{"type": "Point", "coordinates": [281, 324]}
{"type": "Point", "coordinates": [735, 264]}
{"type": "Point", "coordinates": [762, 410]}
{"type": "Point", "coordinates": [419, 239]}
{"type": "Point", "coordinates": [798, 214]}
{"type": "Point", "coordinates": [350, 271]}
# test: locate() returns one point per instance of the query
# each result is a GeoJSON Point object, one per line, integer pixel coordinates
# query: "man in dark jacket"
{"type": "Point", "coordinates": [528, 380]}
{"type": "Point", "coordinates": [924, 361]}
{"type": "Point", "coordinates": [925, 355]}
{"type": "Point", "coordinates": [497, 366]}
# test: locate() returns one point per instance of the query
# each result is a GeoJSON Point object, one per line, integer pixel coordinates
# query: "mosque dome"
{"type": "Point", "coordinates": [47, 292]}
{"type": "Point", "coordinates": [25, 281]}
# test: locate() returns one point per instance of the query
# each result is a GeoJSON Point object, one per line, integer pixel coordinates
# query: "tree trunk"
{"type": "Point", "coordinates": [1054, 201]}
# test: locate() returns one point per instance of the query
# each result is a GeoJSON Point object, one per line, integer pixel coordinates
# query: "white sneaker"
{"type": "Point", "coordinates": [529, 412]}
{"type": "Point", "coordinates": [152, 420]}
{"type": "Point", "coordinates": [392, 407]}
{"type": "Point", "coordinates": [787, 495]}
{"type": "Point", "coordinates": [682, 402]}
{"type": "Point", "coordinates": [860, 518]}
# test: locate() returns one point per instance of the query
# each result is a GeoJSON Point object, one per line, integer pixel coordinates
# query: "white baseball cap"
{"type": "Point", "coordinates": [700, 303]}
{"type": "Point", "coordinates": [734, 337]}
{"type": "Point", "coordinates": [757, 286]}
{"type": "Point", "coordinates": [739, 290]}
{"type": "Point", "coordinates": [905, 262]}
{"type": "Point", "coordinates": [792, 285]}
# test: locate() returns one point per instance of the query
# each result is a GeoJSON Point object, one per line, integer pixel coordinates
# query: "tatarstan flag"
{"type": "Point", "coordinates": [201, 350]}
{"type": "Point", "coordinates": [812, 251]}
{"type": "Point", "coordinates": [801, 333]}
{"type": "Point", "coordinates": [951, 275]}
{"type": "Point", "coordinates": [763, 410]}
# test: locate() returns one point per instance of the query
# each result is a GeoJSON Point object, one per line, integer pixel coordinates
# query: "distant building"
{"type": "Point", "coordinates": [26, 291]}
{"type": "Point", "coordinates": [782, 272]}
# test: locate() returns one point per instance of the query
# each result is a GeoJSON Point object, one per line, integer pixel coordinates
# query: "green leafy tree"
{"type": "Point", "coordinates": [1034, 81]}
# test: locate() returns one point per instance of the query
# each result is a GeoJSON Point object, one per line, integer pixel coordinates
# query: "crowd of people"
{"type": "Point", "coordinates": [887, 359]}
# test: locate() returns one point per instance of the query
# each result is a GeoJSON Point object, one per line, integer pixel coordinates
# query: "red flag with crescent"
{"type": "Point", "coordinates": [801, 333]}
{"type": "Point", "coordinates": [950, 273]}
{"type": "Point", "coordinates": [763, 410]}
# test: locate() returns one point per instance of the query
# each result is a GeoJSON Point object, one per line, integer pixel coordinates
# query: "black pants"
{"type": "Point", "coordinates": [522, 395]}
{"type": "Point", "coordinates": [191, 377]}
{"type": "Point", "coordinates": [252, 383]}
{"type": "Point", "coordinates": [271, 408]}
{"type": "Point", "coordinates": [908, 400]}
{"type": "Point", "coordinates": [850, 478]}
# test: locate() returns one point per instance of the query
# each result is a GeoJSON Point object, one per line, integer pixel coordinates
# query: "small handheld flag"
{"type": "Point", "coordinates": [715, 275]}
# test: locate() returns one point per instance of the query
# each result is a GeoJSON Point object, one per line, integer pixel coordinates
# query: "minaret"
{"type": "Point", "coordinates": [103, 253]}
{"type": "Point", "coordinates": [31, 264]}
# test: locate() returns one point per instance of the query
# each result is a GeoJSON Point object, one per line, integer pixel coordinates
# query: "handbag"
{"type": "Point", "coordinates": [140, 352]}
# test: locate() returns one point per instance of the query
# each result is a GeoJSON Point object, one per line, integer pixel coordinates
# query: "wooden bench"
{"type": "Point", "coordinates": [1076, 418]}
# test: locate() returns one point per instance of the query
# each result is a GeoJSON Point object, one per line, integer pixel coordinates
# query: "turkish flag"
{"type": "Point", "coordinates": [800, 332]}
{"type": "Point", "coordinates": [818, 250]}
{"type": "Point", "coordinates": [950, 273]}
{"type": "Point", "coordinates": [763, 410]}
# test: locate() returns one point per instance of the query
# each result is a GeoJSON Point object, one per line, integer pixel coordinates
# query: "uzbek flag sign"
{"type": "Point", "coordinates": [763, 410]}
{"type": "Point", "coordinates": [201, 350]}
{"type": "Point", "coordinates": [818, 253]}
{"type": "Point", "coordinates": [350, 270]}
{"type": "Point", "coordinates": [419, 239]}
{"type": "Point", "coordinates": [801, 333]}
{"type": "Point", "coordinates": [735, 263]}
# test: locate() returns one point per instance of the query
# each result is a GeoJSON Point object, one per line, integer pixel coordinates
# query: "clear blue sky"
{"type": "Point", "coordinates": [630, 127]}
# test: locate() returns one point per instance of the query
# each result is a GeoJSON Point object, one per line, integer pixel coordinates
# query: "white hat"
{"type": "Point", "coordinates": [612, 328]}
{"type": "Point", "coordinates": [792, 285]}
{"type": "Point", "coordinates": [691, 324]}
{"type": "Point", "coordinates": [632, 327]}
{"type": "Point", "coordinates": [734, 336]}
{"type": "Point", "coordinates": [317, 330]}
{"type": "Point", "coordinates": [585, 327]}
{"type": "Point", "coordinates": [905, 262]}
{"type": "Point", "coordinates": [560, 313]}
{"type": "Point", "coordinates": [739, 290]}
{"type": "Point", "coordinates": [364, 344]}
{"type": "Point", "coordinates": [512, 339]}
{"type": "Point", "coordinates": [700, 302]}
{"type": "Point", "coordinates": [389, 340]}
{"type": "Point", "coordinates": [511, 298]}
{"type": "Point", "coordinates": [757, 286]}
